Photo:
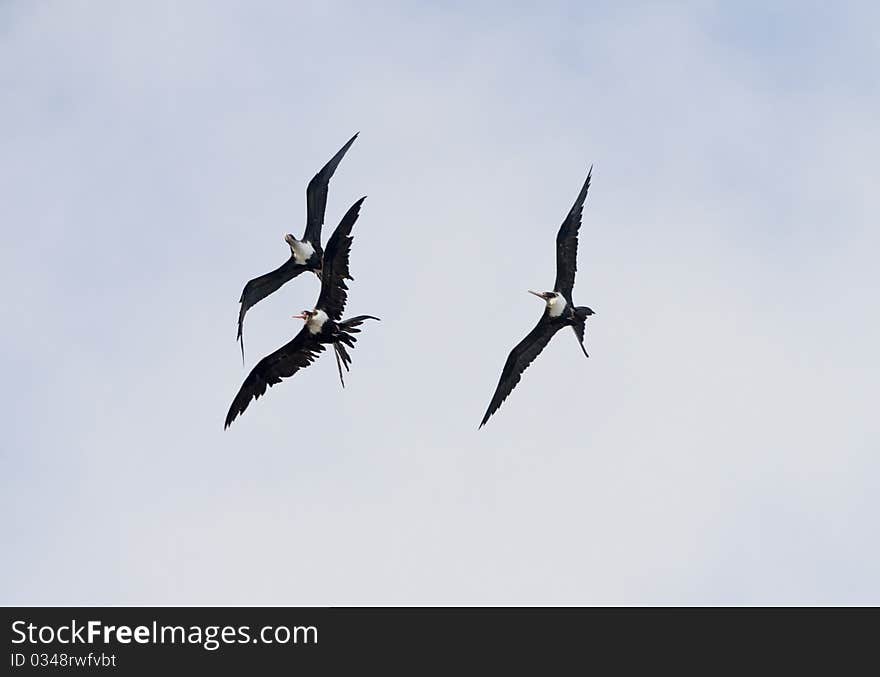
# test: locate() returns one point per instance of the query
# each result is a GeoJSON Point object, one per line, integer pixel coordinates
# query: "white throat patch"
{"type": "Point", "coordinates": [316, 322]}
{"type": "Point", "coordinates": [302, 251]}
{"type": "Point", "coordinates": [556, 305]}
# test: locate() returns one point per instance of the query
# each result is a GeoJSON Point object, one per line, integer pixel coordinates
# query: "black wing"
{"type": "Point", "coordinates": [297, 354]}
{"type": "Point", "coordinates": [334, 270]}
{"type": "Point", "coordinates": [316, 196]}
{"type": "Point", "coordinates": [567, 244]}
{"type": "Point", "coordinates": [519, 359]}
{"type": "Point", "coordinates": [260, 287]}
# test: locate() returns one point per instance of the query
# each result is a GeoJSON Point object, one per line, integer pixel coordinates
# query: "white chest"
{"type": "Point", "coordinates": [316, 322]}
{"type": "Point", "coordinates": [556, 305]}
{"type": "Point", "coordinates": [302, 251]}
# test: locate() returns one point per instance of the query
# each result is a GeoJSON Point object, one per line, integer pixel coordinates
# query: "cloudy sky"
{"type": "Point", "coordinates": [721, 444]}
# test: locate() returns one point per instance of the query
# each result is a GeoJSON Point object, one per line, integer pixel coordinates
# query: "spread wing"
{"type": "Point", "coordinates": [260, 287]}
{"type": "Point", "coordinates": [334, 270]}
{"type": "Point", "coordinates": [519, 359]}
{"type": "Point", "coordinates": [316, 195]}
{"type": "Point", "coordinates": [297, 354]}
{"type": "Point", "coordinates": [567, 244]}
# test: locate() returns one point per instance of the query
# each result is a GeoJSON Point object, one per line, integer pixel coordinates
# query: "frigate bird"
{"type": "Point", "coordinates": [323, 325]}
{"type": "Point", "coordinates": [305, 254]}
{"type": "Point", "coordinates": [559, 310]}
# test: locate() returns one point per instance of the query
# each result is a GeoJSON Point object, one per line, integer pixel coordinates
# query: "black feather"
{"type": "Point", "coordinates": [567, 244]}
{"type": "Point", "coordinates": [334, 270]}
{"type": "Point", "coordinates": [316, 195]}
{"type": "Point", "coordinates": [523, 354]}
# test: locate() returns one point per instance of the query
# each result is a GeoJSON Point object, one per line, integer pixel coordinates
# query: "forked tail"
{"type": "Point", "coordinates": [342, 359]}
{"type": "Point", "coordinates": [346, 339]}
{"type": "Point", "coordinates": [581, 314]}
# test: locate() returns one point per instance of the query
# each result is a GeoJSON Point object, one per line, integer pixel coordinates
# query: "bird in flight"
{"type": "Point", "coordinates": [305, 254]}
{"type": "Point", "coordinates": [323, 325]}
{"type": "Point", "coordinates": [559, 310]}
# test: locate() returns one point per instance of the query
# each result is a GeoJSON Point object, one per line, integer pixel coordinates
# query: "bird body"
{"type": "Point", "coordinates": [557, 305]}
{"type": "Point", "coordinates": [559, 309]}
{"type": "Point", "coordinates": [305, 254]}
{"type": "Point", "coordinates": [316, 322]}
{"type": "Point", "coordinates": [560, 313]}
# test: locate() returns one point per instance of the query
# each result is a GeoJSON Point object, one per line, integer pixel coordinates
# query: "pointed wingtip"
{"type": "Point", "coordinates": [355, 208]}
{"type": "Point", "coordinates": [240, 335]}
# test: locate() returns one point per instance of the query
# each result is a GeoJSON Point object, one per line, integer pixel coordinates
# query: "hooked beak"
{"type": "Point", "coordinates": [288, 238]}
{"type": "Point", "coordinates": [301, 316]}
{"type": "Point", "coordinates": [538, 294]}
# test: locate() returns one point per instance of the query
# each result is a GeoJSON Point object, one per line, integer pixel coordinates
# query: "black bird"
{"type": "Point", "coordinates": [323, 325]}
{"type": "Point", "coordinates": [305, 254]}
{"type": "Point", "coordinates": [559, 312]}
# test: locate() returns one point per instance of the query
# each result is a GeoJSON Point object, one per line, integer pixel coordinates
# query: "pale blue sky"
{"type": "Point", "coordinates": [720, 444]}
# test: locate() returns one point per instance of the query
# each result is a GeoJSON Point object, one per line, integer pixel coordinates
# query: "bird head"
{"type": "Point", "coordinates": [545, 295]}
